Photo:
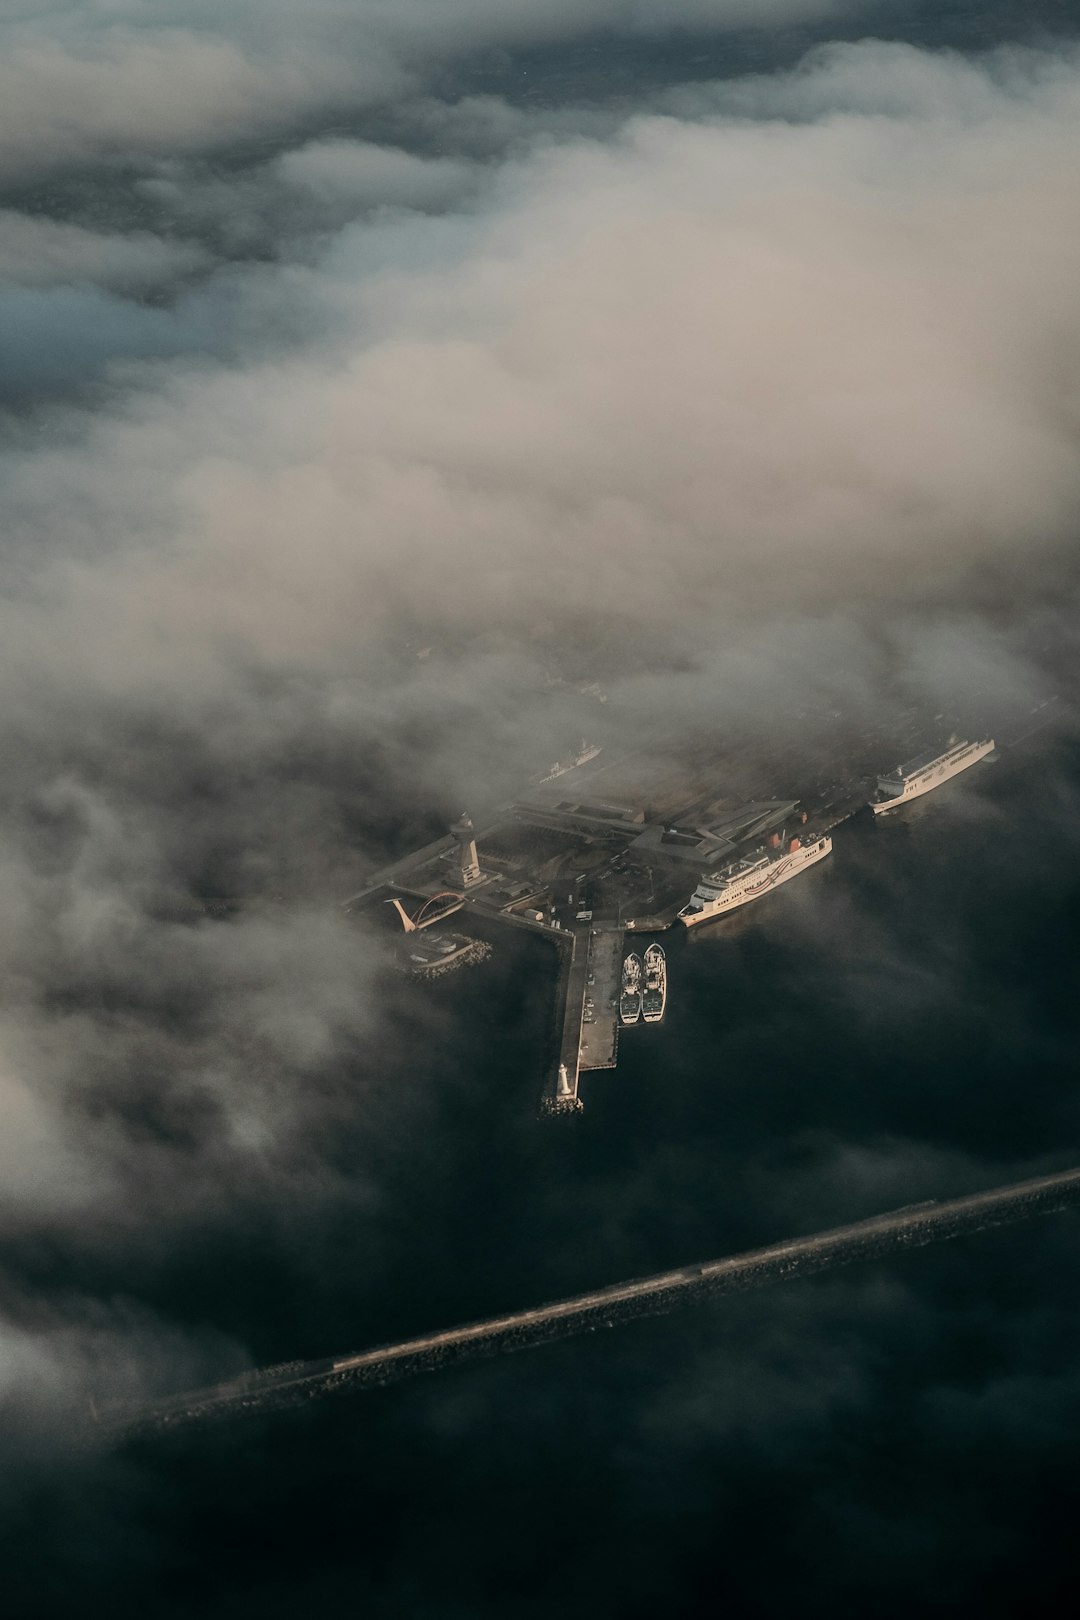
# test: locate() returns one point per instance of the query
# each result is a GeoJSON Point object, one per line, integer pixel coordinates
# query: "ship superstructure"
{"type": "Point", "coordinates": [654, 996]}
{"type": "Point", "coordinates": [631, 997]}
{"type": "Point", "coordinates": [750, 877]}
{"type": "Point", "coordinates": [927, 772]}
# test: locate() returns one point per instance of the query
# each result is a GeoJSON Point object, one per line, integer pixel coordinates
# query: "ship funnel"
{"type": "Point", "coordinates": [793, 845]}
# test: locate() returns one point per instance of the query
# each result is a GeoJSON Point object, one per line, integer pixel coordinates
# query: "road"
{"type": "Point", "coordinates": [911, 1227]}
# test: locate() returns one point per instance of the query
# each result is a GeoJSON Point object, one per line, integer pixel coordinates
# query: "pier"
{"type": "Point", "coordinates": [586, 1011]}
{"type": "Point", "coordinates": [599, 1044]}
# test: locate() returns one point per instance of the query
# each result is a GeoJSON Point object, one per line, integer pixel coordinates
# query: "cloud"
{"type": "Point", "coordinates": [43, 252]}
{"type": "Point", "coordinates": [773, 376]}
{"type": "Point", "coordinates": [109, 82]}
{"type": "Point", "coordinates": [796, 360]}
{"type": "Point", "coordinates": [89, 94]}
{"type": "Point", "coordinates": [39, 1170]}
{"type": "Point", "coordinates": [362, 175]}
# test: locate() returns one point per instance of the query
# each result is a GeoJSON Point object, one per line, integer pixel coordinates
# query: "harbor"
{"type": "Point", "coordinates": [604, 852]}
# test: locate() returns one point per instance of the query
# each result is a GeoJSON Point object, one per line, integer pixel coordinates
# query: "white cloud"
{"type": "Point", "coordinates": [121, 79]}
{"type": "Point", "coordinates": [785, 359]}
{"type": "Point", "coordinates": [42, 252]}
{"type": "Point", "coordinates": [362, 175]}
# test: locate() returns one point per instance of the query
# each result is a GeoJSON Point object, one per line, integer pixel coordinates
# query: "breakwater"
{"type": "Point", "coordinates": [294, 1383]}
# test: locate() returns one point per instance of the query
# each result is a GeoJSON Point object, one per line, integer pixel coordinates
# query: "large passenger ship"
{"type": "Point", "coordinates": [751, 877]}
{"type": "Point", "coordinates": [929, 771]}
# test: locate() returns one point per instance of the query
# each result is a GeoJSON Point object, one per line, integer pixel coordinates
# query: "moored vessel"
{"type": "Point", "coordinates": [631, 997]}
{"type": "Point", "coordinates": [561, 767]}
{"type": "Point", "coordinates": [925, 773]}
{"type": "Point", "coordinates": [748, 878]}
{"type": "Point", "coordinates": [654, 996]}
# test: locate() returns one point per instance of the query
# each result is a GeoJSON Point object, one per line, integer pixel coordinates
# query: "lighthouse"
{"type": "Point", "coordinates": [470, 864]}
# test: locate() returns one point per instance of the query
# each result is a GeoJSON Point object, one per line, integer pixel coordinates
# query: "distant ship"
{"type": "Point", "coordinates": [630, 1000]}
{"type": "Point", "coordinates": [654, 998]}
{"type": "Point", "coordinates": [561, 766]}
{"type": "Point", "coordinates": [748, 879]}
{"type": "Point", "coordinates": [929, 771]}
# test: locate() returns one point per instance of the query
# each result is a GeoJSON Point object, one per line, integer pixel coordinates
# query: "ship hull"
{"type": "Point", "coordinates": [885, 807]}
{"type": "Point", "coordinates": [784, 870]}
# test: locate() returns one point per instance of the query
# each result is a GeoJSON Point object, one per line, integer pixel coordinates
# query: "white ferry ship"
{"type": "Point", "coordinates": [630, 999]}
{"type": "Point", "coordinates": [929, 771]}
{"type": "Point", "coordinates": [748, 879]}
{"type": "Point", "coordinates": [654, 997]}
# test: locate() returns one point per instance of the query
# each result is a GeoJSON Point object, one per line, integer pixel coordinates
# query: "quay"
{"type": "Point", "coordinates": [600, 1034]}
{"type": "Point", "coordinates": [587, 1014]}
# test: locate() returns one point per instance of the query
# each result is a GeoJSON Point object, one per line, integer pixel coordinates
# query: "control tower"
{"type": "Point", "coordinates": [470, 863]}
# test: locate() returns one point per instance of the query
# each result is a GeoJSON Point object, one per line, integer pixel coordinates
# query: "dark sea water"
{"type": "Point", "coordinates": [901, 1024]}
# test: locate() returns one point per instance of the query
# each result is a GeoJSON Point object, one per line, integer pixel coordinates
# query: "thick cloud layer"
{"type": "Point", "coordinates": [714, 366]}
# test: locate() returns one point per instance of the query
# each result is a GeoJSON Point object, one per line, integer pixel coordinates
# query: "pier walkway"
{"type": "Point", "coordinates": [599, 1043]}
{"type": "Point", "coordinates": [595, 954]}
